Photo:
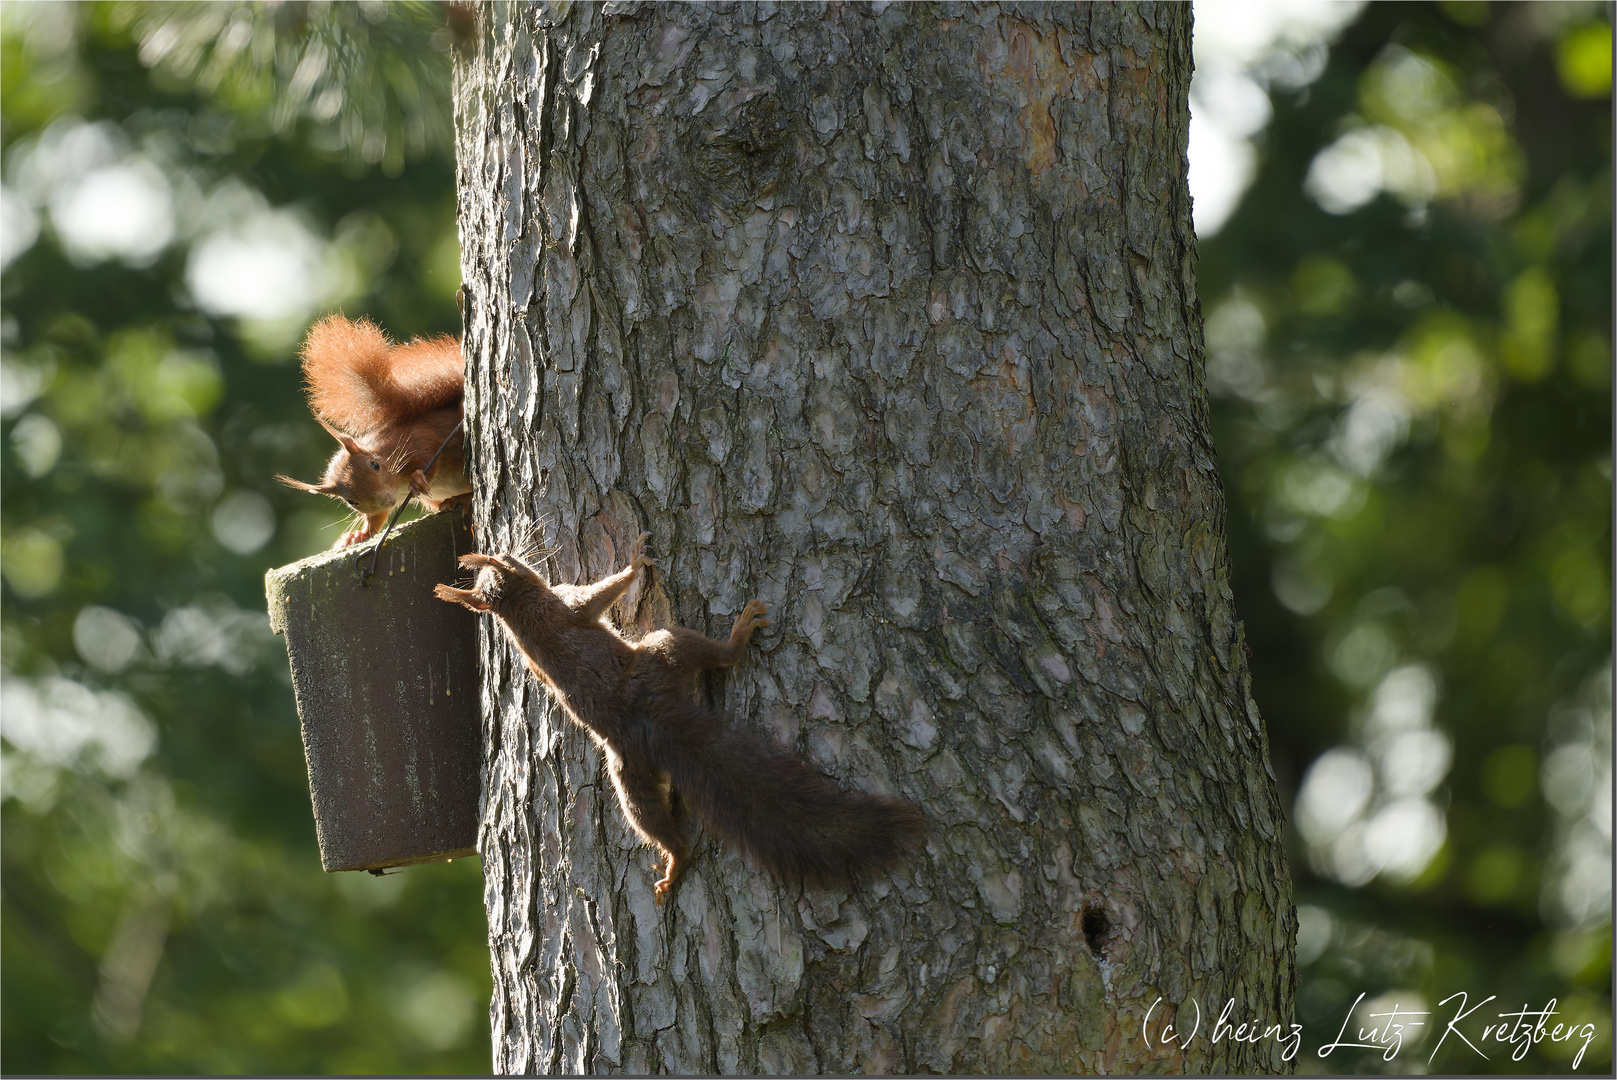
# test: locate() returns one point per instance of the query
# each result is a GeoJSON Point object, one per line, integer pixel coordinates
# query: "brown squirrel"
{"type": "Point", "coordinates": [390, 407]}
{"type": "Point", "coordinates": [638, 700]}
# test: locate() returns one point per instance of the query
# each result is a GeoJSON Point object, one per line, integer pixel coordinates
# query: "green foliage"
{"type": "Point", "coordinates": [368, 79]}
{"type": "Point", "coordinates": [1408, 356]}
{"type": "Point", "coordinates": [164, 907]}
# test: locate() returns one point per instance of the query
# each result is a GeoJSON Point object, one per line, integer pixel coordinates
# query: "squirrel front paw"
{"type": "Point", "coordinates": [420, 486]}
{"type": "Point", "coordinates": [750, 619]}
{"type": "Point", "coordinates": [637, 552]}
{"type": "Point", "coordinates": [351, 537]}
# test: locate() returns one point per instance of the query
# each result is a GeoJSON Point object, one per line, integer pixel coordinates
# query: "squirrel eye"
{"type": "Point", "coordinates": [375, 466]}
{"type": "Point", "coordinates": [352, 503]}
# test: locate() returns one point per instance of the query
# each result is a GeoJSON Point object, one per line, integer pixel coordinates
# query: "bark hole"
{"type": "Point", "coordinates": [1095, 928]}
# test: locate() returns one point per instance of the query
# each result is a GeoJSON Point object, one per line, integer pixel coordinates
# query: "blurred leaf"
{"type": "Point", "coordinates": [1584, 60]}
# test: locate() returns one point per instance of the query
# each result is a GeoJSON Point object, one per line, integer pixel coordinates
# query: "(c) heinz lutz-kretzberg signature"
{"type": "Point", "coordinates": [1520, 1030]}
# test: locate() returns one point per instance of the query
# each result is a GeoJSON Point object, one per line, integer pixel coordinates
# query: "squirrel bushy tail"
{"type": "Point", "coordinates": [361, 382]}
{"type": "Point", "coordinates": [765, 800]}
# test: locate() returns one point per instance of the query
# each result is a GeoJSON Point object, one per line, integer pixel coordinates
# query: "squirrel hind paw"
{"type": "Point", "coordinates": [670, 875]}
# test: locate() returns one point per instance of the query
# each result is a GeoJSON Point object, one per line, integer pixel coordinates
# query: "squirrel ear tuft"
{"type": "Point", "coordinates": [301, 486]}
{"type": "Point", "coordinates": [348, 443]}
{"type": "Point", "coordinates": [513, 565]}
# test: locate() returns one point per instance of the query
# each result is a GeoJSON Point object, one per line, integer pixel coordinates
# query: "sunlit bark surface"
{"type": "Point", "coordinates": [885, 314]}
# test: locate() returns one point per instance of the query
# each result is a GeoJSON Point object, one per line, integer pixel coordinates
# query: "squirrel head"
{"type": "Point", "coordinates": [501, 582]}
{"type": "Point", "coordinates": [366, 482]}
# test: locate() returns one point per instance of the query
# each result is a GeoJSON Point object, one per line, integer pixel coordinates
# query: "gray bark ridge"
{"type": "Point", "coordinates": [887, 315]}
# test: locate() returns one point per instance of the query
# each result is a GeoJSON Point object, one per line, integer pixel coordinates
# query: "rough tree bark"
{"type": "Point", "coordinates": [886, 314]}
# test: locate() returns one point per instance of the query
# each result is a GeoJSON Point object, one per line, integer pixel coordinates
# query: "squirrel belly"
{"type": "Point", "coordinates": [638, 701]}
{"type": "Point", "coordinates": [390, 408]}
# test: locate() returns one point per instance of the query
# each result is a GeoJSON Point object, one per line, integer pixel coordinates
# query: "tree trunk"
{"type": "Point", "coordinates": [886, 314]}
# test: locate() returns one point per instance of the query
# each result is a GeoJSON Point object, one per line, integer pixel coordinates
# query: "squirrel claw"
{"type": "Point", "coordinates": [420, 486]}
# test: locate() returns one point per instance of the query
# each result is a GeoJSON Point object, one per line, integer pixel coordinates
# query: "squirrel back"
{"type": "Point", "coordinates": [360, 382]}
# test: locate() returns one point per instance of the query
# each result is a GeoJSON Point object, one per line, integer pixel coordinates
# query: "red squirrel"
{"type": "Point", "coordinates": [638, 700]}
{"type": "Point", "coordinates": [390, 407]}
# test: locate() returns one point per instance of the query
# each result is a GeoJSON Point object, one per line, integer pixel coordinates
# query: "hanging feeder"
{"type": "Point", "coordinates": [385, 676]}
